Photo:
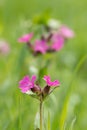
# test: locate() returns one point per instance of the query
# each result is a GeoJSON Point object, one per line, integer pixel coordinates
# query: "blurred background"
{"type": "Point", "coordinates": [67, 107]}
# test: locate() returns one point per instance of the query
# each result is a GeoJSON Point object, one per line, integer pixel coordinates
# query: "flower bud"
{"type": "Point", "coordinates": [46, 90]}
{"type": "Point", "coordinates": [36, 89]}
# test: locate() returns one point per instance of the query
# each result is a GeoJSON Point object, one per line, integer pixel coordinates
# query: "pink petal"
{"type": "Point", "coordinates": [58, 42]}
{"type": "Point", "coordinates": [24, 90]}
{"type": "Point", "coordinates": [24, 81]}
{"type": "Point", "coordinates": [66, 32]}
{"type": "Point", "coordinates": [26, 84]}
{"type": "Point", "coordinates": [25, 38]}
{"type": "Point", "coordinates": [40, 46]}
{"type": "Point", "coordinates": [49, 82]}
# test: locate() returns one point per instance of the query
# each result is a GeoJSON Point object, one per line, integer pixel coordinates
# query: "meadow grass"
{"type": "Point", "coordinates": [66, 109]}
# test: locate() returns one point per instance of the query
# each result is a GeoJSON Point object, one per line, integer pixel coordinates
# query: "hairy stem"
{"type": "Point", "coordinates": [41, 120]}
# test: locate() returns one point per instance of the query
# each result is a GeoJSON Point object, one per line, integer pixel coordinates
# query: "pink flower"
{"type": "Point", "coordinates": [4, 47]}
{"type": "Point", "coordinates": [26, 83]}
{"type": "Point", "coordinates": [25, 38]}
{"type": "Point", "coordinates": [66, 32]}
{"type": "Point", "coordinates": [49, 82]}
{"type": "Point", "coordinates": [40, 46]}
{"type": "Point", "coordinates": [58, 42]}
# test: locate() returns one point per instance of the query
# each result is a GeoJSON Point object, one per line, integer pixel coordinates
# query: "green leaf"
{"type": "Point", "coordinates": [42, 18]}
{"type": "Point", "coordinates": [42, 72]}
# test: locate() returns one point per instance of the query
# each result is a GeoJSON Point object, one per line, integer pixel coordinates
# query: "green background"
{"type": "Point", "coordinates": [68, 105]}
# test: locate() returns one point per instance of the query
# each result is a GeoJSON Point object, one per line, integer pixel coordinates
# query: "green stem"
{"type": "Point", "coordinates": [41, 120]}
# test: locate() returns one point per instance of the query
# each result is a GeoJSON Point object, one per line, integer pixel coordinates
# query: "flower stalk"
{"type": "Point", "coordinates": [41, 111]}
{"type": "Point", "coordinates": [29, 86]}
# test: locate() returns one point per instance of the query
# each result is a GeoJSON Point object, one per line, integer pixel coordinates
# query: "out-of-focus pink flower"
{"type": "Point", "coordinates": [4, 47]}
{"type": "Point", "coordinates": [25, 38]}
{"type": "Point", "coordinates": [40, 46]}
{"type": "Point", "coordinates": [57, 42]}
{"type": "Point", "coordinates": [49, 82]}
{"type": "Point", "coordinates": [26, 83]}
{"type": "Point", "coordinates": [66, 32]}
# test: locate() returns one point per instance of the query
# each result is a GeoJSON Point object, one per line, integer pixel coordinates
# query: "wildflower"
{"type": "Point", "coordinates": [66, 32]}
{"type": "Point", "coordinates": [25, 38]}
{"type": "Point", "coordinates": [26, 83]}
{"type": "Point", "coordinates": [52, 38]}
{"type": "Point", "coordinates": [40, 46]}
{"type": "Point", "coordinates": [4, 47]}
{"type": "Point", "coordinates": [57, 42]}
{"type": "Point", "coordinates": [49, 82]}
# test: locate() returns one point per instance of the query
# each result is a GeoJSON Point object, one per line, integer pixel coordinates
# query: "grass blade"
{"type": "Point", "coordinates": [65, 105]}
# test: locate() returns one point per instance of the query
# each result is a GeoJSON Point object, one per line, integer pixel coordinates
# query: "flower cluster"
{"type": "Point", "coordinates": [27, 84]}
{"type": "Point", "coordinates": [53, 41]}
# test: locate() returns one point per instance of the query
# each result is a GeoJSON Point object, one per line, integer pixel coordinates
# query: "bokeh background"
{"type": "Point", "coordinates": [67, 107]}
